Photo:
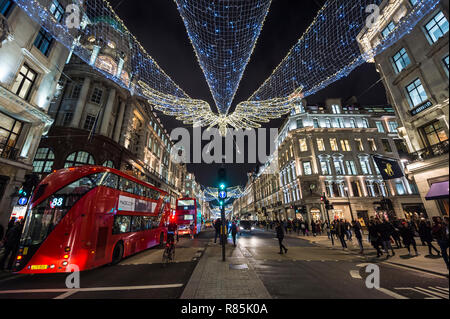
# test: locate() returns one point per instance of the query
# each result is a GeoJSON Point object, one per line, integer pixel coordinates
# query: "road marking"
{"type": "Point", "coordinates": [419, 291]}
{"type": "Point", "coordinates": [69, 292]}
{"type": "Point", "coordinates": [391, 293]}
{"type": "Point", "coordinates": [355, 274]}
{"type": "Point", "coordinates": [413, 269]}
{"type": "Point", "coordinates": [438, 294]}
{"type": "Point", "coordinates": [363, 265]}
{"type": "Point", "coordinates": [441, 288]}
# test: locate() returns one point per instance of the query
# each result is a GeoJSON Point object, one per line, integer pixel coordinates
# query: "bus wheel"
{"type": "Point", "coordinates": [161, 240]}
{"type": "Point", "coordinates": [117, 254]}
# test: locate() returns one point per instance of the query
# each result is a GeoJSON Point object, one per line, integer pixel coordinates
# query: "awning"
{"type": "Point", "coordinates": [438, 191]}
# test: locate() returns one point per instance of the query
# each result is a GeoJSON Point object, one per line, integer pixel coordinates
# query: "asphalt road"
{"type": "Point", "coordinates": [141, 276]}
{"type": "Point", "coordinates": [307, 271]}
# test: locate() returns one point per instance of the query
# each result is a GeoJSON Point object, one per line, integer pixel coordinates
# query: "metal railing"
{"type": "Point", "coordinates": [8, 152]}
{"type": "Point", "coordinates": [431, 151]}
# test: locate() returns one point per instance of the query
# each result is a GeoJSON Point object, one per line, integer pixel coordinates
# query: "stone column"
{"type": "Point", "coordinates": [108, 112]}
{"type": "Point", "coordinates": [119, 122]}
{"type": "Point", "coordinates": [81, 103]}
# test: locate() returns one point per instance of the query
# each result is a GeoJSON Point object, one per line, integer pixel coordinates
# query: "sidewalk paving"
{"type": "Point", "coordinates": [423, 262]}
{"type": "Point", "coordinates": [233, 279]}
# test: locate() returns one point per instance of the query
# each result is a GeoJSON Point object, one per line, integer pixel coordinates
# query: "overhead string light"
{"type": "Point", "coordinates": [223, 34]}
{"type": "Point", "coordinates": [329, 49]}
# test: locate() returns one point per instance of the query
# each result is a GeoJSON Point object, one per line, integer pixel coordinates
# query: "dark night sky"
{"type": "Point", "coordinates": [160, 29]}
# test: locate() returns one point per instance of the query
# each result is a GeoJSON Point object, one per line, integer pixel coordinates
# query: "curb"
{"type": "Point", "coordinates": [194, 282]}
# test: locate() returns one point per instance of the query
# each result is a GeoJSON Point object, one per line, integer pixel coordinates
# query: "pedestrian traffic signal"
{"type": "Point", "coordinates": [31, 181]}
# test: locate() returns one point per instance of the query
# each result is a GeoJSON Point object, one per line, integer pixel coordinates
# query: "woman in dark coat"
{"type": "Point", "coordinates": [280, 236]}
{"type": "Point", "coordinates": [374, 237]}
{"type": "Point", "coordinates": [427, 237]}
{"type": "Point", "coordinates": [408, 237]}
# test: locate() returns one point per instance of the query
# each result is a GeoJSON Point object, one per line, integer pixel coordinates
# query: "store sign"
{"type": "Point", "coordinates": [421, 108]}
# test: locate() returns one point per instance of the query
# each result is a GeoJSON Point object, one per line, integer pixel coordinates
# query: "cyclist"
{"type": "Point", "coordinates": [172, 229]}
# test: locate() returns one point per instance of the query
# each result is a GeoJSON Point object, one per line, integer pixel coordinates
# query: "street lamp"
{"type": "Point", "coordinates": [349, 204]}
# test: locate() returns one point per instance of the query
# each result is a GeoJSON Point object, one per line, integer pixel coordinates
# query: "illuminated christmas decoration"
{"type": "Point", "coordinates": [97, 25]}
{"type": "Point", "coordinates": [223, 34]}
{"type": "Point", "coordinates": [329, 51]}
{"type": "Point", "coordinates": [209, 194]}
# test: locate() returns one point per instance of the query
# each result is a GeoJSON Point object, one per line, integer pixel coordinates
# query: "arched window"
{"type": "Point", "coordinates": [108, 163]}
{"type": "Point", "coordinates": [79, 159]}
{"type": "Point", "coordinates": [43, 161]}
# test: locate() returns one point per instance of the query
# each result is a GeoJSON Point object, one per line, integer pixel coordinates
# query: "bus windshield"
{"type": "Point", "coordinates": [186, 204]}
{"type": "Point", "coordinates": [43, 218]}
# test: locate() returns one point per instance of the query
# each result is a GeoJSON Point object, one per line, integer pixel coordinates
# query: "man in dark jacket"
{"type": "Point", "coordinates": [12, 240]}
{"type": "Point", "coordinates": [427, 237]}
{"type": "Point", "coordinates": [358, 234]}
{"type": "Point", "coordinates": [385, 230]}
{"type": "Point", "coordinates": [233, 231]}
{"type": "Point", "coordinates": [217, 224]}
{"type": "Point", "coordinates": [341, 231]}
{"type": "Point", "coordinates": [440, 232]}
{"type": "Point", "coordinates": [407, 234]}
{"type": "Point", "coordinates": [280, 236]}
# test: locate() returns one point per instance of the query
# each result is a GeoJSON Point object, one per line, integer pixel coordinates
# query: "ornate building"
{"type": "Point", "coordinates": [30, 68]}
{"type": "Point", "coordinates": [415, 73]}
{"type": "Point", "coordinates": [327, 150]}
{"type": "Point", "coordinates": [98, 121]}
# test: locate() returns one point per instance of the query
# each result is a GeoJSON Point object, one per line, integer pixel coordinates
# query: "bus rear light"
{"type": "Point", "coordinates": [66, 256]}
{"type": "Point", "coordinates": [52, 266]}
{"type": "Point", "coordinates": [65, 263]}
{"type": "Point", "coordinates": [19, 257]}
{"type": "Point", "coordinates": [67, 249]}
{"type": "Point", "coordinates": [92, 251]}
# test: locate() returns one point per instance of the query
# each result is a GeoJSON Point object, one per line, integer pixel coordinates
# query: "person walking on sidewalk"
{"type": "Point", "coordinates": [374, 237]}
{"type": "Point", "coordinates": [327, 228]}
{"type": "Point", "coordinates": [427, 237]}
{"type": "Point", "coordinates": [303, 227]}
{"type": "Point", "coordinates": [396, 233]}
{"type": "Point", "coordinates": [341, 231]}
{"type": "Point", "coordinates": [440, 232]}
{"type": "Point", "coordinates": [12, 240]}
{"type": "Point", "coordinates": [358, 234]}
{"type": "Point", "coordinates": [233, 230]}
{"type": "Point", "coordinates": [408, 237]}
{"type": "Point", "coordinates": [280, 236]}
{"type": "Point", "coordinates": [313, 228]}
{"type": "Point", "coordinates": [385, 231]}
{"type": "Point", "coordinates": [217, 225]}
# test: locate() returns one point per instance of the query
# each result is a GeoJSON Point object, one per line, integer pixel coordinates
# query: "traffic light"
{"type": "Point", "coordinates": [31, 181]}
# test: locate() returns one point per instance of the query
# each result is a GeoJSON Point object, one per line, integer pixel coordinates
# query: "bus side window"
{"type": "Point", "coordinates": [110, 180]}
{"type": "Point", "coordinates": [136, 224]}
{"type": "Point", "coordinates": [126, 185]}
{"type": "Point", "coordinates": [121, 224]}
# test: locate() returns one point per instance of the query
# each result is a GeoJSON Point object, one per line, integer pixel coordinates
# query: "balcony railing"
{"type": "Point", "coordinates": [8, 152]}
{"type": "Point", "coordinates": [431, 151]}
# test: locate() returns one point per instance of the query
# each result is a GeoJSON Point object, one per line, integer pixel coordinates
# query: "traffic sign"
{"type": "Point", "coordinates": [223, 194]}
{"type": "Point", "coordinates": [22, 201]}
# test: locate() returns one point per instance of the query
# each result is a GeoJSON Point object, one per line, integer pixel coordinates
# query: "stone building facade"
{"type": "Point", "coordinates": [327, 150]}
{"type": "Point", "coordinates": [415, 73]}
{"type": "Point", "coordinates": [30, 69]}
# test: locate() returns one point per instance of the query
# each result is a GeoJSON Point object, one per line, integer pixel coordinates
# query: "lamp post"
{"type": "Point", "coordinates": [349, 204]}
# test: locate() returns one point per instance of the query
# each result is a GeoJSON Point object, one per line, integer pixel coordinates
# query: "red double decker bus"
{"type": "Point", "coordinates": [90, 216]}
{"type": "Point", "coordinates": [188, 213]}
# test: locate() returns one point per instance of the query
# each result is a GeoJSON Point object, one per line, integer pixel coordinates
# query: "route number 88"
{"type": "Point", "coordinates": [56, 202]}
